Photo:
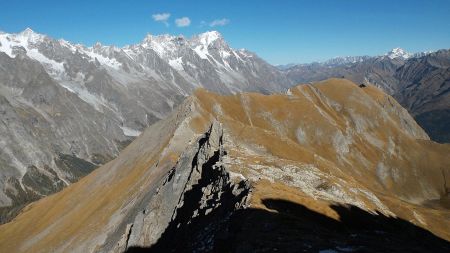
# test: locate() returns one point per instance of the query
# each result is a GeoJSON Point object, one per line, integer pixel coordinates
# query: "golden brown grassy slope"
{"type": "Point", "coordinates": [339, 143]}
{"type": "Point", "coordinates": [319, 144]}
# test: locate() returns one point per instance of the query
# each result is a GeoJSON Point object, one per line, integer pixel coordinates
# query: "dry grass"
{"type": "Point", "coordinates": [83, 210]}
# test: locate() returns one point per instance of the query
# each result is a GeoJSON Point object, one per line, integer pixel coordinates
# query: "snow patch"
{"type": "Point", "coordinates": [202, 51]}
{"type": "Point", "coordinates": [130, 132]}
{"type": "Point", "coordinates": [225, 54]}
{"type": "Point", "coordinates": [105, 61]}
{"type": "Point", "coordinates": [177, 64]}
{"type": "Point", "coordinates": [209, 37]}
{"type": "Point", "coordinates": [54, 68]}
{"type": "Point", "coordinates": [98, 102]}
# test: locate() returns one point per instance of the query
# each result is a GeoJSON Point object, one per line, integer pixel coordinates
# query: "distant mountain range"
{"type": "Point", "coordinates": [420, 82]}
{"type": "Point", "coordinates": [341, 60]}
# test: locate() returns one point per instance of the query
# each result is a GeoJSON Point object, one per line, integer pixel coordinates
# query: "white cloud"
{"type": "Point", "coordinates": [161, 17]}
{"type": "Point", "coordinates": [219, 22]}
{"type": "Point", "coordinates": [182, 22]}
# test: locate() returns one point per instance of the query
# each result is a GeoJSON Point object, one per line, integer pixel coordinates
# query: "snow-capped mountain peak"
{"type": "Point", "coordinates": [164, 45]}
{"type": "Point", "coordinates": [27, 31]}
{"type": "Point", "coordinates": [201, 60]}
{"type": "Point", "coordinates": [398, 53]}
{"type": "Point", "coordinates": [30, 35]}
{"type": "Point", "coordinates": [98, 45]}
{"type": "Point", "coordinates": [26, 39]}
{"type": "Point", "coordinates": [209, 37]}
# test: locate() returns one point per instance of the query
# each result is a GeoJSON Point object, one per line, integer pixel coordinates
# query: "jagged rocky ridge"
{"type": "Point", "coordinates": [198, 190]}
{"type": "Point", "coordinates": [419, 82]}
{"type": "Point", "coordinates": [66, 108]}
{"type": "Point", "coordinates": [197, 175]}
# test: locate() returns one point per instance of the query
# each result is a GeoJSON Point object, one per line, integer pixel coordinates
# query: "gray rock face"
{"type": "Point", "coordinates": [49, 136]}
{"type": "Point", "coordinates": [420, 82]}
{"type": "Point", "coordinates": [198, 190]}
{"type": "Point", "coordinates": [67, 108]}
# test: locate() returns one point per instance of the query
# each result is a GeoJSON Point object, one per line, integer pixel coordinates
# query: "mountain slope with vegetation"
{"type": "Point", "coordinates": [328, 153]}
{"type": "Point", "coordinates": [419, 82]}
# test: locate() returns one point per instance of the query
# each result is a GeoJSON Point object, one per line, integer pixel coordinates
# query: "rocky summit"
{"type": "Point", "coordinates": [331, 166]}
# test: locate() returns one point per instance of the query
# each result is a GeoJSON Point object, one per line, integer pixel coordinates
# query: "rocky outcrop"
{"type": "Point", "coordinates": [198, 190]}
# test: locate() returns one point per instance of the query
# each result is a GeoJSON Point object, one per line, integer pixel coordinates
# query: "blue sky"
{"type": "Point", "coordinates": [279, 31]}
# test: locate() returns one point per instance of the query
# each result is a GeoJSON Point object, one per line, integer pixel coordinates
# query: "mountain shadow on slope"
{"type": "Point", "coordinates": [291, 227]}
{"type": "Point", "coordinates": [437, 124]}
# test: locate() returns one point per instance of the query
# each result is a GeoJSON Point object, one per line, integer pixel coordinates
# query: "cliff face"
{"type": "Point", "coordinates": [197, 190]}
{"type": "Point", "coordinates": [196, 176]}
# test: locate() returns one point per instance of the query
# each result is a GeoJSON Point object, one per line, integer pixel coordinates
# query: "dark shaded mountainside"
{"type": "Point", "coordinates": [421, 84]}
{"type": "Point", "coordinates": [326, 167]}
{"type": "Point", "coordinates": [287, 226]}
